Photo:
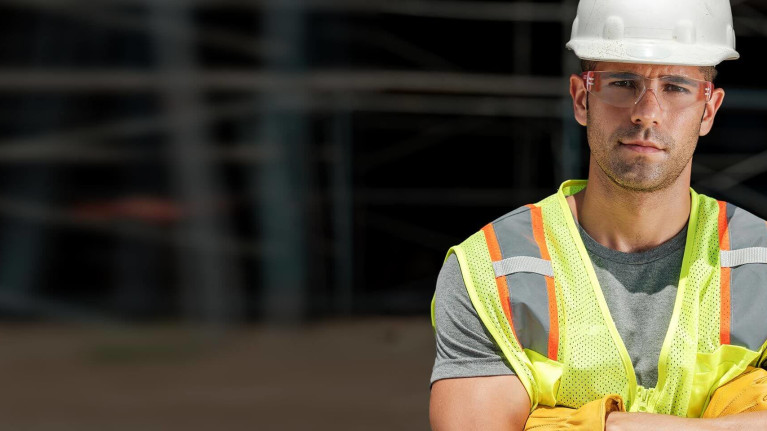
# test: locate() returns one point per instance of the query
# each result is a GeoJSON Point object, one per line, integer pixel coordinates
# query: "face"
{"type": "Point", "coordinates": [645, 147]}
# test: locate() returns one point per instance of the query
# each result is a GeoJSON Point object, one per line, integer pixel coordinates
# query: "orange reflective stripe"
{"type": "Point", "coordinates": [724, 244]}
{"type": "Point", "coordinates": [503, 287]}
{"type": "Point", "coordinates": [540, 239]}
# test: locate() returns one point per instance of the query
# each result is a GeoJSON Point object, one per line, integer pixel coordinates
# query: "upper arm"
{"type": "Point", "coordinates": [464, 348]}
{"type": "Point", "coordinates": [473, 386]}
{"type": "Point", "coordinates": [482, 403]}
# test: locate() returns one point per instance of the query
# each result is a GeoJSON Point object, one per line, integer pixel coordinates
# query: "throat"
{"type": "Point", "coordinates": [629, 225]}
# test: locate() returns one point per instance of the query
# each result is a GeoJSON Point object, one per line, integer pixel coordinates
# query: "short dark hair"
{"type": "Point", "coordinates": [588, 65]}
{"type": "Point", "coordinates": [709, 72]}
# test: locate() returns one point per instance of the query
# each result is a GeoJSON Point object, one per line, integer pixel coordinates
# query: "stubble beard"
{"type": "Point", "coordinates": [639, 173]}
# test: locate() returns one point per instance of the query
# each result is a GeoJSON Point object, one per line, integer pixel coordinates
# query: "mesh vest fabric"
{"type": "Point", "coordinates": [586, 345]}
{"type": "Point", "coordinates": [695, 322]}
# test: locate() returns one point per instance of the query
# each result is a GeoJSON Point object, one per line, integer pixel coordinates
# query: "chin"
{"type": "Point", "coordinates": [640, 181]}
{"type": "Point", "coordinates": [645, 185]}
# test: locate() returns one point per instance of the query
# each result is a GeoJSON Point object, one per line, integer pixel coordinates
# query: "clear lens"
{"type": "Point", "coordinates": [625, 89]}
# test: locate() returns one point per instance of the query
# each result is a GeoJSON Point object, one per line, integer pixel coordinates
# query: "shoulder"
{"type": "Point", "coordinates": [450, 280]}
{"type": "Point", "coordinates": [464, 346]}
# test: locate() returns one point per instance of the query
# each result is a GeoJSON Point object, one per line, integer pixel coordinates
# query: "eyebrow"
{"type": "Point", "coordinates": [678, 79]}
{"type": "Point", "coordinates": [624, 75]}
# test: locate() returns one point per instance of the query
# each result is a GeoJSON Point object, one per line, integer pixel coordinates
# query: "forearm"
{"type": "Point", "coordinates": [619, 421]}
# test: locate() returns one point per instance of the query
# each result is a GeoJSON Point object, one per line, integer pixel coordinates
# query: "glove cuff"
{"type": "Point", "coordinates": [610, 403]}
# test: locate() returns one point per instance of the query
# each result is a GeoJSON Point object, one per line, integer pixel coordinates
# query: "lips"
{"type": "Point", "coordinates": [642, 146]}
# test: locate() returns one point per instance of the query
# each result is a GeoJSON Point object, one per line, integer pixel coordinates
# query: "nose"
{"type": "Point", "coordinates": [647, 109]}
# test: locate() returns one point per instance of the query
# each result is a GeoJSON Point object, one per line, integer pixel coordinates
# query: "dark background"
{"type": "Point", "coordinates": [234, 168]}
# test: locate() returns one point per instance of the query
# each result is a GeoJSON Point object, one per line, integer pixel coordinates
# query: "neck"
{"type": "Point", "coordinates": [631, 221]}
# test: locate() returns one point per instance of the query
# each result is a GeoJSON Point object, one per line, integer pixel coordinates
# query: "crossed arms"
{"type": "Point", "coordinates": [501, 403]}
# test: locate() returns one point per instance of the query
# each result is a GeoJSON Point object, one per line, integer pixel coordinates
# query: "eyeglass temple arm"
{"type": "Point", "coordinates": [588, 79]}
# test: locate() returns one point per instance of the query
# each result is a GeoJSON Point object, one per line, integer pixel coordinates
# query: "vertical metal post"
{"type": "Point", "coordinates": [523, 45]}
{"type": "Point", "coordinates": [282, 182]}
{"type": "Point", "coordinates": [522, 66]}
{"type": "Point", "coordinates": [136, 291]}
{"type": "Point", "coordinates": [22, 241]}
{"type": "Point", "coordinates": [571, 146]}
{"type": "Point", "coordinates": [342, 213]}
{"type": "Point", "coordinates": [210, 291]}
{"type": "Point", "coordinates": [523, 158]}
{"type": "Point", "coordinates": [138, 287]}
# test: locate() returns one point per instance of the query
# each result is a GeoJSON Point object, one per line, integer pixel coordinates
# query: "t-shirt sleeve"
{"type": "Point", "coordinates": [464, 347]}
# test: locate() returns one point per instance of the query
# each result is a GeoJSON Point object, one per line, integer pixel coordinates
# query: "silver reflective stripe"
{"type": "Point", "coordinates": [748, 283]}
{"type": "Point", "coordinates": [748, 321]}
{"type": "Point", "coordinates": [743, 256]}
{"type": "Point", "coordinates": [530, 310]}
{"type": "Point", "coordinates": [520, 264]}
{"type": "Point", "coordinates": [515, 234]}
{"type": "Point", "coordinates": [516, 264]}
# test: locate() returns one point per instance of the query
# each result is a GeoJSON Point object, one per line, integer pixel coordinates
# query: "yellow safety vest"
{"type": "Point", "coordinates": [533, 285]}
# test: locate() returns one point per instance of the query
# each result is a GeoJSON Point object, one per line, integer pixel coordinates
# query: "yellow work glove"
{"type": "Point", "coordinates": [745, 393]}
{"type": "Point", "coordinates": [590, 417]}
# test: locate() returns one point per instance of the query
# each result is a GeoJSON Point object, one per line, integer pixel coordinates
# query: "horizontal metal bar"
{"type": "Point", "coordinates": [449, 196]}
{"type": "Point", "coordinates": [449, 9]}
{"type": "Point", "coordinates": [120, 81]}
{"type": "Point", "coordinates": [213, 37]}
{"type": "Point", "coordinates": [747, 99]}
{"type": "Point", "coordinates": [75, 145]}
{"type": "Point", "coordinates": [40, 213]}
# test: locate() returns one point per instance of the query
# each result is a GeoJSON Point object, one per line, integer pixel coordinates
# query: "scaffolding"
{"type": "Point", "coordinates": [295, 128]}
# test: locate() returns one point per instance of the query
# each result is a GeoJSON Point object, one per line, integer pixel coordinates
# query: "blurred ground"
{"type": "Point", "coordinates": [370, 374]}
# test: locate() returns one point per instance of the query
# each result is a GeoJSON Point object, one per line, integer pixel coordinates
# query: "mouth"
{"type": "Point", "coordinates": [642, 146]}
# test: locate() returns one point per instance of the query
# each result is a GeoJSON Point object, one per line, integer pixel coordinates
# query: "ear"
{"type": "Point", "coordinates": [578, 93]}
{"type": "Point", "coordinates": [712, 106]}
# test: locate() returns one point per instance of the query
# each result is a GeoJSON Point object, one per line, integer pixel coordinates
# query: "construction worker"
{"type": "Point", "coordinates": [626, 301]}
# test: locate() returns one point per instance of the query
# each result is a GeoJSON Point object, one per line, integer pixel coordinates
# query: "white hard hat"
{"type": "Point", "coordinates": [683, 32]}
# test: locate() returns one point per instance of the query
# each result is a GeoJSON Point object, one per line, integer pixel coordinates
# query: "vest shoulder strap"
{"type": "Point", "coordinates": [508, 275]}
{"type": "Point", "coordinates": [744, 269]}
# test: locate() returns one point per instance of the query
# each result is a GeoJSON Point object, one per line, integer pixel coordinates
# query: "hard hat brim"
{"type": "Point", "coordinates": [651, 52]}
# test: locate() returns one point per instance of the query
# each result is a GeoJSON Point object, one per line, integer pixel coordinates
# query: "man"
{"type": "Point", "coordinates": [630, 292]}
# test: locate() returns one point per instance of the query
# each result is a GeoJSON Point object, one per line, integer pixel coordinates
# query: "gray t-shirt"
{"type": "Point", "coordinates": [639, 288]}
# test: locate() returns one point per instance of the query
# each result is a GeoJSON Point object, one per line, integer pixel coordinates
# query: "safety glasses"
{"type": "Point", "coordinates": [626, 89]}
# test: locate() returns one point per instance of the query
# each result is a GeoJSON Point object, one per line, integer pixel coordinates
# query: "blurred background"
{"type": "Point", "coordinates": [230, 214]}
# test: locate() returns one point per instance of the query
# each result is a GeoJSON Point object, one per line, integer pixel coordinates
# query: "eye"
{"type": "Point", "coordinates": [626, 83]}
{"type": "Point", "coordinates": [671, 88]}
